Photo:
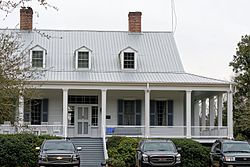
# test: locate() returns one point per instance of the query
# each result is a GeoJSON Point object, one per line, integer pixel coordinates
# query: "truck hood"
{"type": "Point", "coordinates": [58, 152]}
{"type": "Point", "coordinates": [237, 154]}
{"type": "Point", "coordinates": [156, 153]}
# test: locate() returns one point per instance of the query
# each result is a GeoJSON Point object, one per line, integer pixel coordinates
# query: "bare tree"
{"type": "Point", "coordinates": [15, 74]}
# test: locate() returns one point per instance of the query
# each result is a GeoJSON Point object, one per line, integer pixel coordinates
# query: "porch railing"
{"type": "Point", "coordinates": [54, 130]}
{"type": "Point", "coordinates": [209, 131]}
{"type": "Point", "coordinates": [168, 131]}
{"type": "Point", "coordinates": [120, 130]}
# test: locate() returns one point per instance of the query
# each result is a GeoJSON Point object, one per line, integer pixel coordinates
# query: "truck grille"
{"type": "Point", "coordinates": [242, 159]}
{"type": "Point", "coordinates": [59, 158]}
{"type": "Point", "coordinates": [162, 159]}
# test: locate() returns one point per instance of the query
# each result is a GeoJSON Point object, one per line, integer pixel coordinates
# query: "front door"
{"type": "Point", "coordinates": [82, 121]}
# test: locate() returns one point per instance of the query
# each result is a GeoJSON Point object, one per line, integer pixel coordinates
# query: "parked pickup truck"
{"type": "Point", "coordinates": [230, 153]}
{"type": "Point", "coordinates": [156, 153]}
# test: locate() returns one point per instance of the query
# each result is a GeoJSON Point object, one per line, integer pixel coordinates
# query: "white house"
{"type": "Point", "coordinates": [124, 83]}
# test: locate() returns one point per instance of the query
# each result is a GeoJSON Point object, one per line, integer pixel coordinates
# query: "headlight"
{"type": "Point", "coordinates": [178, 157]}
{"type": "Point", "coordinates": [43, 157]}
{"type": "Point", "coordinates": [144, 158]}
{"type": "Point", "coordinates": [75, 157]}
{"type": "Point", "coordinates": [229, 158]}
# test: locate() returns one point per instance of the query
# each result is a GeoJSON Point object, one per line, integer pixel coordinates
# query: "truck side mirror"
{"type": "Point", "coordinates": [178, 149]}
{"type": "Point", "coordinates": [79, 148]}
{"type": "Point", "coordinates": [37, 148]}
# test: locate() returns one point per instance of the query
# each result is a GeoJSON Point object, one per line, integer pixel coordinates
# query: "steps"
{"type": "Point", "coordinates": [92, 154]}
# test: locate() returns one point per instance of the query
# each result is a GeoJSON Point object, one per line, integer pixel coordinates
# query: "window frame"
{"type": "Point", "coordinates": [122, 59]}
{"type": "Point", "coordinates": [38, 49]}
{"type": "Point", "coordinates": [83, 49]}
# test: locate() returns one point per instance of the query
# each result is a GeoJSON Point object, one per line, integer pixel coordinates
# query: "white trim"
{"type": "Point", "coordinates": [83, 49]}
{"type": "Point", "coordinates": [128, 50]}
{"type": "Point", "coordinates": [124, 87]}
{"type": "Point", "coordinates": [38, 48]}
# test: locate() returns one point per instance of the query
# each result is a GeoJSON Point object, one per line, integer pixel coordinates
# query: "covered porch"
{"type": "Point", "coordinates": [139, 111]}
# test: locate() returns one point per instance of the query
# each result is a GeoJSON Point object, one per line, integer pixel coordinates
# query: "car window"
{"type": "Point", "coordinates": [236, 147]}
{"type": "Point", "coordinates": [58, 146]}
{"type": "Point", "coordinates": [159, 146]}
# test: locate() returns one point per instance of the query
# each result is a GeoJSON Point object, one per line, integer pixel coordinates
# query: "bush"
{"type": "Point", "coordinates": [192, 153]}
{"type": "Point", "coordinates": [122, 152]}
{"type": "Point", "coordinates": [19, 150]}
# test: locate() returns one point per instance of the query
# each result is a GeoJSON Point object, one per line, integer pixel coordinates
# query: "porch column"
{"type": "Point", "coordinates": [147, 113]}
{"type": "Point", "coordinates": [65, 112]}
{"type": "Point", "coordinates": [219, 105]}
{"type": "Point", "coordinates": [230, 114]}
{"type": "Point", "coordinates": [21, 110]}
{"type": "Point", "coordinates": [203, 111]}
{"type": "Point", "coordinates": [104, 108]}
{"type": "Point", "coordinates": [211, 111]}
{"type": "Point", "coordinates": [188, 113]}
{"type": "Point", "coordinates": [196, 117]}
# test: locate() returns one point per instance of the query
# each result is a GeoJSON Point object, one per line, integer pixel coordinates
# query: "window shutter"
{"type": "Point", "coordinates": [45, 111]}
{"type": "Point", "coordinates": [120, 112]}
{"type": "Point", "coordinates": [27, 111]}
{"type": "Point", "coordinates": [170, 112]}
{"type": "Point", "coordinates": [138, 112]}
{"type": "Point", "coordinates": [152, 113]}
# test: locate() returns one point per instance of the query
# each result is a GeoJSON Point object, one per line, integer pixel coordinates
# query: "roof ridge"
{"type": "Point", "coordinates": [82, 30]}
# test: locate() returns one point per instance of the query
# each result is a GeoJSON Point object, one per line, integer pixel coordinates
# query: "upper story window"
{"type": "Point", "coordinates": [83, 58]}
{"type": "Point", "coordinates": [37, 57]}
{"type": "Point", "coordinates": [128, 58]}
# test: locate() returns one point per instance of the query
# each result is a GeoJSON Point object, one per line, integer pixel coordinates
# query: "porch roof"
{"type": "Point", "coordinates": [128, 77]}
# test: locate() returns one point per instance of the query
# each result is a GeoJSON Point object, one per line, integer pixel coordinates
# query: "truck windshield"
{"type": "Point", "coordinates": [58, 145]}
{"type": "Point", "coordinates": [159, 146]}
{"type": "Point", "coordinates": [236, 147]}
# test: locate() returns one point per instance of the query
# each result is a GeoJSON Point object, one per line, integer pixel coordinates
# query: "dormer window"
{"type": "Point", "coordinates": [83, 58]}
{"type": "Point", "coordinates": [37, 57]}
{"type": "Point", "coordinates": [128, 58]}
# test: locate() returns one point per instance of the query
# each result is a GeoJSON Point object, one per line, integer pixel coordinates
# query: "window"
{"type": "Point", "coordinates": [37, 57]}
{"type": "Point", "coordinates": [83, 59]}
{"type": "Point", "coordinates": [83, 99]}
{"type": "Point", "coordinates": [71, 115]}
{"type": "Point", "coordinates": [36, 111]}
{"type": "Point", "coordinates": [94, 116]}
{"type": "Point", "coordinates": [129, 60]}
{"type": "Point", "coordinates": [129, 112]}
{"type": "Point", "coordinates": [161, 113]}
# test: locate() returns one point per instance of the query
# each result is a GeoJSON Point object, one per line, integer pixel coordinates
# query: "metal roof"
{"type": "Point", "coordinates": [158, 58]}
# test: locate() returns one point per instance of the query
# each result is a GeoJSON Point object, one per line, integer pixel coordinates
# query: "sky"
{"type": "Point", "coordinates": [206, 31]}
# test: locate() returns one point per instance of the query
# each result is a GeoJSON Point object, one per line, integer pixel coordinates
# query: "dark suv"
{"type": "Point", "coordinates": [58, 153]}
{"type": "Point", "coordinates": [229, 153]}
{"type": "Point", "coordinates": [154, 153]}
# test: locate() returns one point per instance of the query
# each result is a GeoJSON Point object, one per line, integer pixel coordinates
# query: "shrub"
{"type": "Point", "coordinates": [122, 152]}
{"type": "Point", "coordinates": [192, 153]}
{"type": "Point", "coordinates": [19, 150]}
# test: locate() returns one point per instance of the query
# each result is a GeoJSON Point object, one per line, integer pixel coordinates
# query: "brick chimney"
{"type": "Point", "coordinates": [26, 18]}
{"type": "Point", "coordinates": [134, 19]}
